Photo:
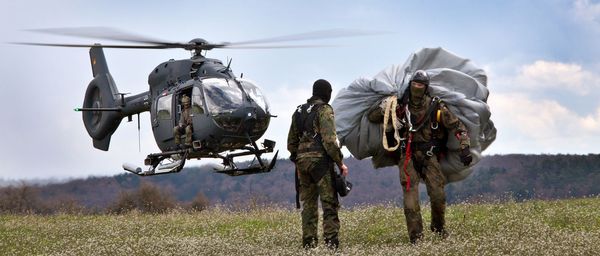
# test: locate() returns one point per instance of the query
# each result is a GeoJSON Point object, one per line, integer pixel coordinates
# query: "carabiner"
{"type": "Point", "coordinates": [429, 152]}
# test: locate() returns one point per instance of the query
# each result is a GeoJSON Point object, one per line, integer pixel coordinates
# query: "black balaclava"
{"type": "Point", "coordinates": [322, 90]}
{"type": "Point", "coordinates": [418, 94]}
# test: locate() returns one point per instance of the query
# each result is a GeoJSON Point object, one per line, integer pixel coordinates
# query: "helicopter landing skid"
{"type": "Point", "coordinates": [161, 163]}
{"type": "Point", "coordinates": [230, 168]}
{"type": "Point", "coordinates": [173, 161]}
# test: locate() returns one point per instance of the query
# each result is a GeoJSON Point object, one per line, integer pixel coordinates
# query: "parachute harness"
{"type": "Point", "coordinates": [390, 108]}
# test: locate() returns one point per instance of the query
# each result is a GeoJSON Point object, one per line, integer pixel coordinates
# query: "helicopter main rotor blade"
{"type": "Point", "coordinates": [274, 46]}
{"type": "Point", "coordinates": [103, 46]}
{"type": "Point", "coordinates": [320, 34]}
{"type": "Point", "coordinates": [118, 35]}
{"type": "Point", "coordinates": [101, 33]}
{"type": "Point", "coordinates": [202, 47]}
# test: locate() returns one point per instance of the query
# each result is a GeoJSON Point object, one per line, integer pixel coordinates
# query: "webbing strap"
{"type": "Point", "coordinates": [305, 125]}
{"type": "Point", "coordinates": [434, 105]}
{"type": "Point", "coordinates": [305, 119]}
{"type": "Point", "coordinates": [406, 159]}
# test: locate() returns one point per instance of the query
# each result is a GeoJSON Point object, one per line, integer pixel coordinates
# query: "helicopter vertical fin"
{"type": "Point", "coordinates": [103, 143]}
{"type": "Point", "coordinates": [98, 61]}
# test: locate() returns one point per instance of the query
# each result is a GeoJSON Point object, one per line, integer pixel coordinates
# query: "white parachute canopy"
{"type": "Point", "coordinates": [460, 84]}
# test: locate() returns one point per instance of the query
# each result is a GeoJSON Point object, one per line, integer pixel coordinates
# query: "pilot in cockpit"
{"type": "Point", "coordinates": [185, 124]}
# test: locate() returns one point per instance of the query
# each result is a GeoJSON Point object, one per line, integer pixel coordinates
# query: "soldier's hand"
{"type": "Point", "coordinates": [344, 169]}
{"type": "Point", "coordinates": [465, 156]}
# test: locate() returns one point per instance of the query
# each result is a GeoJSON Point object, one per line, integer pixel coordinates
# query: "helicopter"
{"type": "Point", "coordinates": [229, 114]}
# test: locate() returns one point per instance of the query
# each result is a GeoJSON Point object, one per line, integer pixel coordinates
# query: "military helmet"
{"type": "Point", "coordinates": [185, 100]}
{"type": "Point", "coordinates": [420, 76]}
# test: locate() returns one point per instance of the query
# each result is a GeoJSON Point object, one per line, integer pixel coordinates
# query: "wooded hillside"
{"type": "Point", "coordinates": [516, 177]}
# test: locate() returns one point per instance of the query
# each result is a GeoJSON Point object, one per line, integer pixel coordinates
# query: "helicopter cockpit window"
{"type": "Point", "coordinates": [197, 107]}
{"type": "Point", "coordinates": [256, 94]}
{"type": "Point", "coordinates": [222, 95]}
{"type": "Point", "coordinates": [164, 107]}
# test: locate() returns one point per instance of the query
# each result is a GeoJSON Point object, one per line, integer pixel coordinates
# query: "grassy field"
{"type": "Point", "coordinates": [565, 227]}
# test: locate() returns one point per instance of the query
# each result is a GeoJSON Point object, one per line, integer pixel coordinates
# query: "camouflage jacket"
{"type": "Point", "coordinates": [324, 125]}
{"type": "Point", "coordinates": [186, 118]}
{"type": "Point", "coordinates": [441, 116]}
{"type": "Point", "coordinates": [440, 124]}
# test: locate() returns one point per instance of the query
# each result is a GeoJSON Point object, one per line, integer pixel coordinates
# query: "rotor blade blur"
{"type": "Point", "coordinates": [104, 46]}
{"type": "Point", "coordinates": [274, 46]}
{"type": "Point", "coordinates": [101, 33]}
{"type": "Point", "coordinates": [320, 34]}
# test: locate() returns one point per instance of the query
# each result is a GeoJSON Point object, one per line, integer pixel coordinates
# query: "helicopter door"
{"type": "Point", "coordinates": [164, 121]}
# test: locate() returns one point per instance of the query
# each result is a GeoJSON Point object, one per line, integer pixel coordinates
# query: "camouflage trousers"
{"type": "Point", "coordinates": [428, 169]}
{"type": "Point", "coordinates": [178, 131]}
{"type": "Point", "coordinates": [313, 187]}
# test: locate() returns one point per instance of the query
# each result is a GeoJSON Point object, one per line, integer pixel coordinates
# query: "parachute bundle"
{"type": "Point", "coordinates": [460, 84]}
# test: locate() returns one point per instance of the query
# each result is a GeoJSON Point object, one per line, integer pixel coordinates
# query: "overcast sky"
{"type": "Point", "coordinates": [542, 58]}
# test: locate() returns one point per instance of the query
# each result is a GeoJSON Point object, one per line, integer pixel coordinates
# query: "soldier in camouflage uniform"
{"type": "Point", "coordinates": [426, 122]}
{"type": "Point", "coordinates": [185, 123]}
{"type": "Point", "coordinates": [312, 142]}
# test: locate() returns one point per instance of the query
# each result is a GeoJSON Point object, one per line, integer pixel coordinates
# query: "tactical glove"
{"type": "Point", "coordinates": [465, 156]}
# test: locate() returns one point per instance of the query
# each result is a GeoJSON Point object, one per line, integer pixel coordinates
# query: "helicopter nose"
{"type": "Point", "coordinates": [250, 120]}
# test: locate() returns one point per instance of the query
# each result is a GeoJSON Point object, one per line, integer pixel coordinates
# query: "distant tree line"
{"type": "Point", "coordinates": [147, 198]}
{"type": "Point", "coordinates": [497, 177]}
{"type": "Point", "coordinates": [523, 177]}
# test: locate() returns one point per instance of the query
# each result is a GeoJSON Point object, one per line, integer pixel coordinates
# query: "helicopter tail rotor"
{"type": "Point", "coordinates": [101, 114]}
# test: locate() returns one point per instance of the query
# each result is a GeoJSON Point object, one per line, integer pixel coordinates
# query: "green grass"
{"type": "Point", "coordinates": [565, 227]}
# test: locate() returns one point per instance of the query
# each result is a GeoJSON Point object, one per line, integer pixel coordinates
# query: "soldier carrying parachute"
{"type": "Point", "coordinates": [429, 117]}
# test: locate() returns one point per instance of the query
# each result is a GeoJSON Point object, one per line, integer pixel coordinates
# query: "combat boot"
{"type": "Point", "coordinates": [415, 238]}
{"type": "Point", "coordinates": [414, 223]}
{"type": "Point", "coordinates": [332, 243]}
{"type": "Point", "coordinates": [441, 232]}
{"type": "Point", "coordinates": [309, 243]}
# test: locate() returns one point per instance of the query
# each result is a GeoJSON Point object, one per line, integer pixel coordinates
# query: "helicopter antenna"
{"type": "Point", "coordinates": [139, 136]}
{"type": "Point", "coordinates": [228, 64]}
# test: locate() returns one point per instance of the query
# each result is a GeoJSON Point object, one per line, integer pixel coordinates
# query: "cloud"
{"type": "Point", "coordinates": [542, 126]}
{"type": "Point", "coordinates": [532, 114]}
{"type": "Point", "coordinates": [587, 12]}
{"type": "Point", "coordinates": [556, 75]}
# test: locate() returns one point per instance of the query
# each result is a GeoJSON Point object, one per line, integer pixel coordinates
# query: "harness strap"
{"type": "Point", "coordinates": [406, 159]}
{"type": "Point", "coordinates": [422, 146]}
{"type": "Point", "coordinates": [409, 146]}
{"type": "Point", "coordinates": [305, 119]}
{"type": "Point", "coordinates": [434, 105]}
